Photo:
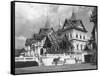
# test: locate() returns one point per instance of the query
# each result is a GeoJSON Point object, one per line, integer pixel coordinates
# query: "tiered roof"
{"type": "Point", "coordinates": [74, 23]}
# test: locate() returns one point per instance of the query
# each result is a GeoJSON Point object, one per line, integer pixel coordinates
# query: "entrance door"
{"type": "Point", "coordinates": [88, 58]}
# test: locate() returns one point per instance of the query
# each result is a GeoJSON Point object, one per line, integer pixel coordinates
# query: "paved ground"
{"type": "Point", "coordinates": [67, 67]}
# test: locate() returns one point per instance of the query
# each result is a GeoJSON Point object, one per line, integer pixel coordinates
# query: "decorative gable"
{"type": "Point", "coordinates": [74, 23]}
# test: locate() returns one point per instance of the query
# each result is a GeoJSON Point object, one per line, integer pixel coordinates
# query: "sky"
{"type": "Point", "coordinates": [30, 17]}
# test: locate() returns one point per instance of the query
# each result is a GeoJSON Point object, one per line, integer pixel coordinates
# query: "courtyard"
{"type": "Point", "coordinates": [67, 67]}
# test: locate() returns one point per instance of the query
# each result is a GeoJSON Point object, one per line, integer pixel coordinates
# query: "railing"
{"type": "Point", "coordinates": [18, 59]}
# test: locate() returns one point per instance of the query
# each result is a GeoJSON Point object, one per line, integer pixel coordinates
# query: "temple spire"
{"type": "Point", "coordinates": [60, 24]}
{"type": "Point", "coordinates": [47, 24]}
{"type": "Point", "coordinates": [73, 17]}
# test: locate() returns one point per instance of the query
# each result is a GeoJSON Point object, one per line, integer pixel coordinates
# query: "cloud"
{"type": "Point", "coordinates": [30, 17]}
{"type": "Point", "coordinates": [21, 38]}
{"type": "Point", "coordinates": [20, 41]}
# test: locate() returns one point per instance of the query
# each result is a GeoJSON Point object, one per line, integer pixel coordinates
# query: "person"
{"type": "Point", "coordinates": [56, 60]}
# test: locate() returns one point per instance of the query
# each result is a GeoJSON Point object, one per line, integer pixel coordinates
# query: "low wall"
{"type": "Point", "coordinates": [26, 64]}
{"type": "Point", "coordinates": [49, 61]}
{"type": "Point", "coordinates": [24, 59]}
{"type": "Point", "coordinates": [64, 59]}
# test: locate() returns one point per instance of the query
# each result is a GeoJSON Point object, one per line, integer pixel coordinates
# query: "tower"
{"type": "Point", "coordinates": [74, 29]}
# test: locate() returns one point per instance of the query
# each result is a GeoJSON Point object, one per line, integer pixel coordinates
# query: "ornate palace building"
{"type": "Point", "coordinates": [68, 42]}
{"type": "Point", "coordinates": [76, 32]}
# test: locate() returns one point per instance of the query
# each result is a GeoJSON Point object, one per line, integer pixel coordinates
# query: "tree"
{"type": "Point", "coordinates": [93, 19]}
{"type": "Point", "coordinates": [29, 42]}
{"type": "Point", "coordinates": [47, 43]}
{"type": "Point", "coordinates": [67, 44]}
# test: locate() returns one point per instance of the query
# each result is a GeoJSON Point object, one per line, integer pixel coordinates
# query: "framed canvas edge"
{"type": "Point", "coordinates": [12, 38]}
{"type": "Point", "coordinates": [12, 65]}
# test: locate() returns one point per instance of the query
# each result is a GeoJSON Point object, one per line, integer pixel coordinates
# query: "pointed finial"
{"type": "Point", "coordinates": [73, 17]}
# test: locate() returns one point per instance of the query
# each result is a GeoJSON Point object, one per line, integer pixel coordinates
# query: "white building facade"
{"type": "Point", "coordinates": [77, 34]}
{"type": "Point", "coordinates": [78, 39]}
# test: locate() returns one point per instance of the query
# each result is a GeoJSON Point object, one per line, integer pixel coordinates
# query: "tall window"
{"type": "Point", "coordinates": [77, 46]}
{"type": "Point", "coordinates": [76, 36]}
{"type": "Point", "coordinates": [80, 37]}
{"type": "Point", "coordinates": [81, 46]}
{"type": "Point", "coordinates": [70, 35]}
{"type": "Point", "coordinates": [83, 37]}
